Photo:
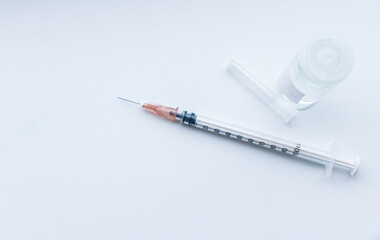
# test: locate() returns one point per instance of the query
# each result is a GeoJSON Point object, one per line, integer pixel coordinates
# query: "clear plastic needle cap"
{"type": "Point", "coordinates": [274, 101]}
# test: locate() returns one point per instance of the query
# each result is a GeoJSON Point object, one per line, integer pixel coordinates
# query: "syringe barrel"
{"type": "Point", "coordinates": [296, 149]}
{"type": "Point", "coordinates": [264, 140]}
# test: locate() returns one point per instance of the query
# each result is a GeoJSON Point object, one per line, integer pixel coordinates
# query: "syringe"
{"type": "Point", "coordinates": [327, 158]}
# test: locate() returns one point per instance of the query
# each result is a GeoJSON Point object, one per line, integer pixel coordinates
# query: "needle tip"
{"type": "Point", "coordinates": [128, 100]}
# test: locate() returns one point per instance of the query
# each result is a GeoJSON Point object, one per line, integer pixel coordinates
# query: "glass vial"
{"type": "Point", "coordinates": [318, 67]}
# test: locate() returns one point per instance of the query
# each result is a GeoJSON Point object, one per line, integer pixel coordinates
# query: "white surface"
{"type": "Point", "coordinates": [76, 163]}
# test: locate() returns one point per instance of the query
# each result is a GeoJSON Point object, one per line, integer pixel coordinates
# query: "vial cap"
{"type": "Point", "coordinates": [326, 60]}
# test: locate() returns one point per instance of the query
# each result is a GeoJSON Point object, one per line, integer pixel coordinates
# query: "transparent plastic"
{"type": "Point", "coordinates": [330, 158]}
{"type": "Point", "coordinates": [280, 106]}
{"type": "Point", "coordinates": [323, 63]}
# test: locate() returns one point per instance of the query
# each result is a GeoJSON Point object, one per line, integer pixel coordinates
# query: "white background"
{"type": "Point", "coordinates": [76, 163]}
